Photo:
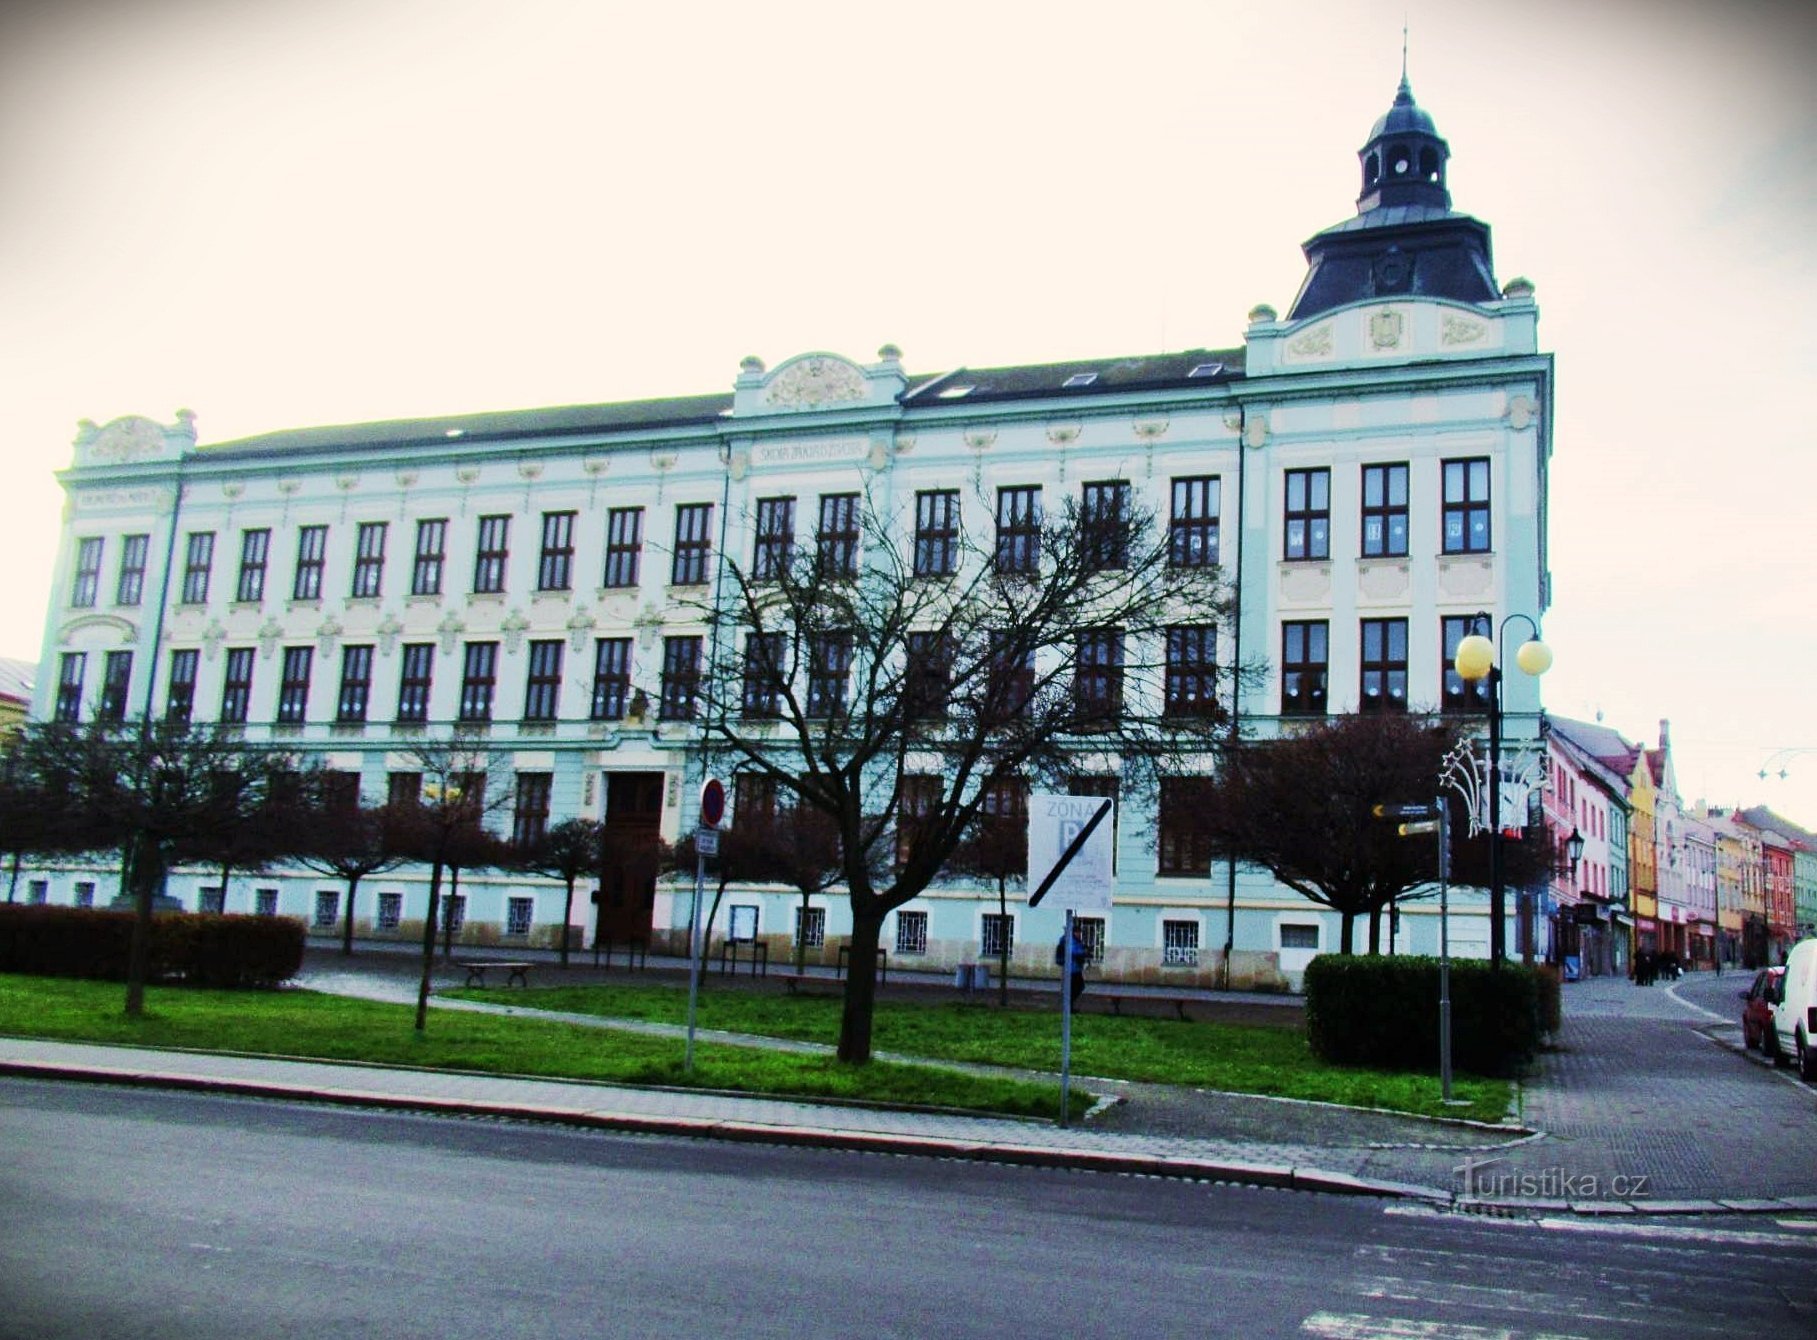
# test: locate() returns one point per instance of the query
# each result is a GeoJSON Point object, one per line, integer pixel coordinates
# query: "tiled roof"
{"type": "Point", "coordinates": [16, 679]}
{"type": "Point", "coordinates": [1089, 376]}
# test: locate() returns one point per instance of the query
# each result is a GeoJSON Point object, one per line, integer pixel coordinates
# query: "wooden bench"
{"type": "Point", "coordinates": [518, 972]}
{"type": "Point", "coordinates": [796, 982]}
{"type": "Point", "coordinates": [1116, 999]}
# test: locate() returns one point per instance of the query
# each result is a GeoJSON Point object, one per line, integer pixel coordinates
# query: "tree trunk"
{"type": "Point", "coordinates": [1346, 932]}
{"type": "Point", "coordinates": [706, 929]}
{"type": "Point", "coordinates": [567, 916]}
{"type": "Point", "coordinates": [147, 878]}
{"type": "Point", "coordinates": [801, 937]}
{"type": "Point", "coordinates": [353, 885]}
{"type": "Point", "coordinates": [454, 891]}
{"type": "Point", "coordinates": [860, 987]}
{"type": "Point", "coordinates": [422, 991]}
{"type": "Point", "coordinates": [12, 887]}
{"type": "Point", "coordinates": [1003, 943]}
{"type": "Point", "coordinates": [226, 871]}
{"type": "Point", "coordinates": [1375, 931]}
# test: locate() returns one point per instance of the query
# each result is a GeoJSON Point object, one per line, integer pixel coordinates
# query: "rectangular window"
{"type": "Point", "coordinates": [413, 682]}
{"type": "Point", "coordinates": [490, 554]}
{"type": "Point", "coordinates": [829, 667]}
{"type": "Point", "coordinates": [236, 685]}
{"type": "Point", "coordinates": [927, 677]}
{"type": "Point", "coordinates": [180, 699]}
{"type": "Point", "coordinates": [1010, 683]}
{"type": "Point", "coordinates": [340, 790]}
{"type": "Point", "coordinates": [116, 683]}
{"type": "Point", "coordinates": [1104, 525]}
{"type": "Point", "coordinates": [1090, 931]}
{"type": "Point", "coordinates": [920, 799]}
{"type": "Point", "coordinates": [85, 893]}
{"type": "Point", "coordinates": [611, 678]}
{"type": "Point", "coordinates": [1190, 683]}
{"type": "Point", "coordinates": [680, 677]}
{"type": "Point", "coordinates": [754, 804]}
{"type": "Point", "coordinates": [454, 912]}
{"type": "Point", "coordinates": [37, 892]}
{"type": "Point", "coordinates": [293, 686]}
{"type": "Point", "coordinates": [1019, 529]}
{"type": "Point", "coordinates": [479, 678]}
{"type": "Point", "coordinates": [911, 932]}
{"type": "Point", "coordinates": [1299, 935]}
{"type": "Point", "coordinates": [1308, 514]}
{"type": "Point", "coordinates": [555, 564]}
{"type": "Point", "coordinates": [996, 935]}
{"type": "Point", "coordinates": [1185, 847]}
{"type": "Point", "coordinates": [1103, 785]}
{"type": "Point", "coordinates": [369, 560]}
{"type": "Point", "coordinates": [1305, 656]}
{"type": "Point", "coordinates": [1384, 511]}
{"type": "Point", "coordinates": [431, 551]}
{"type": "Point", "coordinates": [1384, 666]}
{"type": "Point", "coordinates": [542, 690]}
{"type": "Point", "coordinates": [87, 584]}
{"type": "Point", "coordinates": [1192, 531]}
{"type": "Point", "coordinates": [403, 788]}
{"type": "Point", "coordinates": [518, 914]}
{"type": "Point", "coordinates": [624, 545]}
{"type": "Point", "coordinates": [693, 544]}
{"type": "Point", "coordinates": [312, 554]}
{"type": "Point", "coordinates": [255, 554]}
{"type": "Point", "coordinates": [765, 671]}
{"type": "Point", "coordinates": [129, 589]}
{"type": "Point", "coordinates": [71, 669]}
{"type": "Point", "coordinates": [356, 684]}
{"type": "Point", "coordinates": [937, 533]}
{"type": "Point", "coordinates": [1180, 944]}
{"type": "Point", "coordinates": [1098, 675]}
{"type": "Point", "coordinates": [211, 898]}
{"type": "Point", "coordinates": [265, 902]}
{"type": "Point", "coordinates": [198, 558]}
{"type": "Point", "coordinates": [391, 911]}
{"type": "Point", "coordinates": [810, 927]}
{"type": "Point", "coordinates": [530, 817]}
{"type": "Point", "coordinates": [836, 541]}
{"type": "Point", "coordinates": [1466, 519]}
{"type": "Point", "coordinates": [1460, 694]}
{"type": "Point", "coordinates": [327, 908]}
{"type": "Point", "coordinates": [775, 542]}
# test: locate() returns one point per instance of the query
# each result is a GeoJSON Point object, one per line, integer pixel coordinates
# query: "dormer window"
{"type": "Point", "coordinates": [1079, 379]}
{"type": "Point", "coordinates": [1206, 370]}
{"type": "Point", "coordinates": [954, 392]}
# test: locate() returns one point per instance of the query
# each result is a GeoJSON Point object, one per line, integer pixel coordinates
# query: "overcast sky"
{"type": "Point", "coordinates": [303, 212]}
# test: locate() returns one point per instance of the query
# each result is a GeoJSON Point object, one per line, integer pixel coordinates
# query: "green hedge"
{"type": "Point", "coordinates": [200, 948]}
{"type": "Point", "coordinates": [1383, 1011]}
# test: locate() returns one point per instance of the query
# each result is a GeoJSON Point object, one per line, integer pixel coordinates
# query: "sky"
{"type": "Point", "coordinates": [304, 212]}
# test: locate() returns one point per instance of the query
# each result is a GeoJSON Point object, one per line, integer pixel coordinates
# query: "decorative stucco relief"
{"type": "Point", "coordinates": [1383, 581]}
{"type": "Point", "coordinates": [1460, 577]}
{"type": "Point", "coordinates": [1306, 583]}
{"type": "Point", "coordinates": [810, 383]}
{"type": "Point", "coordinates": [1315, 343]}
{"type": "Point", "coordinates": [1456, 328]}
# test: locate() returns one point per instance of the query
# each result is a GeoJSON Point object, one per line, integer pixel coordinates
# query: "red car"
{"type": "Point", "coordinates": [1756, 1013]}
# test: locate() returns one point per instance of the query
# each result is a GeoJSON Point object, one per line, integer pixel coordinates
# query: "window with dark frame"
{"type": "Point", "coordinates": [255, 551]}
{"type": "Point", "coordinates": [836, 541]}
{"type": "Point", "coordinates": [180, 694]}
{"type": "Point", "coordinates": [1385, 511]}
{"type": "Point", "coordinates": [1106, 786]}
{"type": "Point", "coordinates": [1192, 530]}
{"type": "Point", "coordinates": [755, 805]}
{"type": "Point", "coordinates": [403, 788]}
{"type": "Point", "coordinates": [431, 553]}
{"type": "Point", "coordinates": [1098, 674]}
{"type": "Point", "coordinates": [356, 684]}
{"type": "Point", "coordinates": [555, 564]}
{"type": "Point", "coordinates": [1104, 525]}
{"type": "Point", "coordinates": [312, 553]}
{"type": "Point", "coordinates": [1308, 514]}
{"type": "Point", "coordinates": [1180, 943]}
{"type": "Point", "coordinates": [1185, 848]}
{"type": "Point", "coordinates": [236, 686]}
{"type": "Point", "coordinates": [1460, 694]}
{"type": "Point", "coordinates": [911, 932]}
{"type": "Point", "coordinates": [693, 544]}
{"type": "Point", "coordinates": [915, 808]}
{"type": "Point", "coordinates": [1019, 529]}
{"type": "Point", "coordinates": [927, 674]}
{"type": "Point", "coordinates": [71, 669]}
{"type": "Point", "coordinates": [369, 560]}
{"type": "Point", "coordinates": [775, 539]}
{"type": "Point", "coordinates": [1189, 686]}
{"type": "Point", "coordinates": [414, 681]}
{"type": "Point", "coordinates": [1466, 519]}
{"type": "Point", "coordinates": [680, 678]}
{"type": "Point", "coordinates": [1010, 683]}
{"type": "Point", "coordinates": [624, 545]}
{"type": "Point", "coordinates": [765, 671]}
{"type": "Point", "coordinates": [936, 533]}
{"type": "Point", "coordinates": [479, 681]}
{"type": "Point", "coordinates": [810, 927]}
{"type": "Point", "coordinates": [86, 586]}
{"type": "Point", "coordinates": [129, 587]}
{"type": "Point", "coordinates": [829, 668]}
{"type": "Point", "coordinates": [116, 684]}
{"type": "Point", "coordinates": [996, 935]}
{"type": "Point", "coordinates": [530, 815]}
{"type": "Point", "coordinates": [611, 678]}
{"type": "Point", "coordinates": [542, 687]}
{"type": "Point", "coordinates": [1383, 687]}
{"type": "Point", "coordinates": [293, 685]}
{"type": "Point", "coordinates": [1305, 663]}
{"type": "Point", "coordinates": [491, 554]}
{"type": "Point", "coordinates": [198, 558]}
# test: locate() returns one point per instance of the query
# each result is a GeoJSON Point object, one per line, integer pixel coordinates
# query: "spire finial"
{"type": "Point", "coordinates": [1403, 47]}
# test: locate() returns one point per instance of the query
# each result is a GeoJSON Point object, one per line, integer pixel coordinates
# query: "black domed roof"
{"type": "Point", "coordinates": [1404, 116]}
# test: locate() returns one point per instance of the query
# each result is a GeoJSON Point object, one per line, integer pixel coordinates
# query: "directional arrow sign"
{"type": "Point", "coordinates": [1426, 811]}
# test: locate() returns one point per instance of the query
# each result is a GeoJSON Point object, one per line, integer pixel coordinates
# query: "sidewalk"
{"type": "Point", "coordinates": [1637, 1112]}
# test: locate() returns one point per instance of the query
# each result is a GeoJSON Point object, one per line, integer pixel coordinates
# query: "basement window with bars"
{"type": "Point", "coordinates": [391, 911]}
{"type": "Point", "coordinates": [1180, 944]}
{"type": "Point", "coordinates": [911, 932]}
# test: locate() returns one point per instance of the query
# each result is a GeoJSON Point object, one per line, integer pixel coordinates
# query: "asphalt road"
{"type": "Point", "coordinates": [137, 1213]}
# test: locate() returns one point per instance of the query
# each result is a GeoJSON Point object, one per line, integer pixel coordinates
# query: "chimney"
{"type": "Point", "coordinates": [1665, 734]}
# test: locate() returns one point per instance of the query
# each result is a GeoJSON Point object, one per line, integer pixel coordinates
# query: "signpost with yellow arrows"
{"type": "Point", "coordinates": [1413, 820]}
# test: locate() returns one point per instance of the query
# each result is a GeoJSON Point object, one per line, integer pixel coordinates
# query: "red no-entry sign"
{"type": "Point", "coordinates": [712, 802]}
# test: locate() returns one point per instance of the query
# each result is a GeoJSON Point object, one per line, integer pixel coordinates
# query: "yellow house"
{"type": "Point", "coordinates": [1643, 861]}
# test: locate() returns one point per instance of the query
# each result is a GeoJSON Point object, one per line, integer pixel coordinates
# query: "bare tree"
{"type": "Point", "coordinates": [996, 848]}
{"type": "Point", "coordinates": [349, 840]}
{"type": "Point", "coordinates": [891, 680]}
{"type": "Point", "coordinates": [569, 850]}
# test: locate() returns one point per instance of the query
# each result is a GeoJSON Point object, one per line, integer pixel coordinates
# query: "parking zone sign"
{"type": "Point", "coordinates": [1055, 827]}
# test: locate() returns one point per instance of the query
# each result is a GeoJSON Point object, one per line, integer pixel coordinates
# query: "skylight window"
{"type": "Point", "coordinates": [455, 432]}
{"type": "Point", "coordinates": [1079, 379]}
{"type": "Point", "coordinates": [1206, 370]}
{"type": "Point", "coordinates": [954, 392]}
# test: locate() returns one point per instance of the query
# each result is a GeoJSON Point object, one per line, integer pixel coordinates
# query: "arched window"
{"type": "Point", "coordinates": [1400, 160]}
{"type": "Point", "coordinates": [1372, 171]}
{"type": "Point", "coordinates": [1429, 164]}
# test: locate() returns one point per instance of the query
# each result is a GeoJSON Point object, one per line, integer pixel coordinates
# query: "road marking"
{"type": "Point", "coordinates": [1736, 1237]}
{"type": "Point", "coordinates": [1358, 1326]}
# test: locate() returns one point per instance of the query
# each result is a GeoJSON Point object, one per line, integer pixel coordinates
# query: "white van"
{"type": "Point", "coordinates": [1795, 1009]}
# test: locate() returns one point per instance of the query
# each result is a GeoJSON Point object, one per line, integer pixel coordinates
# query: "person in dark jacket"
{"type": "Point", "coordinates": [1080, 955]}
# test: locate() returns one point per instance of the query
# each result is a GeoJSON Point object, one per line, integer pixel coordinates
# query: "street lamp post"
{"type": "Point", "coordinates": [1574, 851]}
{"type": "Point", "coordinates": [1480, 659]}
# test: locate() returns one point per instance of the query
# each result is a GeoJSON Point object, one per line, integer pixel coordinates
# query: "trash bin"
{"type": "Point", "coordinates": [981, 976]}
{"type": "Point", "coordinates": [965, 976]}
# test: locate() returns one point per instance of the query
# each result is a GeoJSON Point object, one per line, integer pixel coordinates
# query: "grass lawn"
{"type": "Point", "coordinates": [306, 1024]}
{"type": "Point", "coordinates": [1236, 1058]}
